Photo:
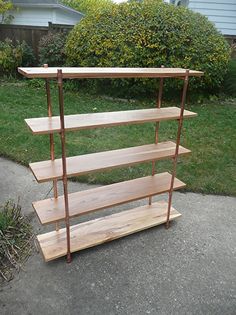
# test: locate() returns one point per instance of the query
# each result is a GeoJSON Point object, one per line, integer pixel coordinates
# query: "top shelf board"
{"type": "Point", "coordinates": [92, 72]}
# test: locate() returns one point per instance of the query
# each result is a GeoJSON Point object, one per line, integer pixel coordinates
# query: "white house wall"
{"type": "Point", "coordinates": [68, 18]}
{"type": "Point", "coordinates": [221, 13]}
{"type": "Point", "coordinates": [41, 16]}
{"type": "Point", "coordinates": [30, 16]}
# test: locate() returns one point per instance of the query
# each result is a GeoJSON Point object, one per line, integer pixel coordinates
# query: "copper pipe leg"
{"type": "Point", "coordinates": [57, 224]}
{"type": "Point", "coordinates": [175, 159]}
{"type": "Point", "coordinates": [167, 225]}
{"type": "Point", "coordinates": [64, 168]}
{"type": "Point", "coordinates": [169, 207]}
{"type": "Point", "coordinates": [158, 104]}
{"type": "Point", "coordinates": [68, 258]}
{"type": "Point", "coordinates": [153, 173]}
{"type": "Point", "coordinates": [51, 137]}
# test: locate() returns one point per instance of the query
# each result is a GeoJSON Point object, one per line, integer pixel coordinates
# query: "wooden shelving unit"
{"type": "Point", "coordinates": [73, 238]}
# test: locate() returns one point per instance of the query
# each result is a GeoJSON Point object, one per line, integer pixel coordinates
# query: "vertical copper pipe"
{"type": "Point", "coordinates": [63, 149]}
{"type": "Point", "coordinates": [158, 104]}
{"type": "Point", "coordinates": [177, 146]}
{"type": "Point", "coordinates": [52, 154]}
{"type": "Point", "coordinates": [159, 100]}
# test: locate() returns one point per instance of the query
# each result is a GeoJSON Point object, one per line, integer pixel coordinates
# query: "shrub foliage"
{"type": "Point", "coordinates": [5, 6]}
{"type": "Point", "coordinates": [88, 6]}
{"type": "Point", "coordinates": [230, 79]}
{"type": "Point", "coordinates": [149, 34]}
{"type": "Point", "coordinates": [51, 49]}
{"type": "Point", "coordinates": [14, 55]}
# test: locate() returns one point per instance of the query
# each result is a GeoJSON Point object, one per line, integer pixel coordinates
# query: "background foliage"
{"type": "Point", "coordinates": [229, 85]}
{"type": "Point", "coordinates": [5, 6]}
{"type": "Point", "coordinates": [88, 6]}
{"type": "Point", "coordinates": [52, 49]}
{"type": "Point", "coordinates": [14, 55]}
{"type": "Point", "coordinates": [149, 34]}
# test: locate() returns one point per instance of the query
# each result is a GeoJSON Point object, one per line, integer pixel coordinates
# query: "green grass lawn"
{"type": "Point", "coordinates": [211, 167]}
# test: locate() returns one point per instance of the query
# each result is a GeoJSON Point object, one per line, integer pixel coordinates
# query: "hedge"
{"type": "Point", "coordinates": [149, 34]}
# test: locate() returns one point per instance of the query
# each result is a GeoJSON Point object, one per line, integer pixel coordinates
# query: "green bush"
{"type": "Point", "coordinates": [149, 34]}
{"type": "Point", "coordinates": [88, 6]}
{"type": "Point", "coordinates": [229, 86]}
{"type": "Point", "coordinates": [28, 58]}
{"type": "Point", "coordinates": [14, 55]}
{"type": "Point", "coordinates": [51, 49]}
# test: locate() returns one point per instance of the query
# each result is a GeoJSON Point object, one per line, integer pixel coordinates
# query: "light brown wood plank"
{"type": "Point", "coordinates": [46, 125]}
{"type": "Point", "coordinates": [105, 229]}
{"type": "Point", "coordinates": [80, 203]}
{"type": "Point", "coordinates": [92, 72]}
{"type": "Point", "coordinates": [79, 165]}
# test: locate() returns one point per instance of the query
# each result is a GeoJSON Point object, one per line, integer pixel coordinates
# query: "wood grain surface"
{"type": "Point", "coordinates": [82, 164]}
{"type": "Point", "coordinates": [80, 203]}
{"type": "Point", "coordinates": [45, 125]}
{"type": "Point", "coordinates": [93, 72]}
{"type": "Point", "coordinates": [105, 229]}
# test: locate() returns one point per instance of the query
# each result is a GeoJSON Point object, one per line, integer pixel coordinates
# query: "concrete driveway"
{"type": "Point", "coordinates": [189, 269]}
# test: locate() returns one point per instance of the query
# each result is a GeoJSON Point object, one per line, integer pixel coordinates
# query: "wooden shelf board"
{"type": "Point", "coordinates": [47, 125]}
{"type": "Point", "coordinates": [83, 202]}
{"type": "Point", "coordinates": [79, 165]}
{"type": "Point", "coordinates": [105, 229]}
{"type": "Point", "coordinates": [93, 72]}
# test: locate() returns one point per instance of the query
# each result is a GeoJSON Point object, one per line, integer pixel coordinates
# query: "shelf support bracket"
{"type": "Point", "coordinates": [175, 159]}
{"type": "Point", "coordinates": [63, 148]}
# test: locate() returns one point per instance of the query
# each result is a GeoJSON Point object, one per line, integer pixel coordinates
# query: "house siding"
{"type": "Point", "coordinates": [221, 13]}
{"type": "Point", "coordinates": [30, 16]}
{"type": "Point", "coordinates": [69, 18]}
{"type": "Point", "coordinates": [41, 16]}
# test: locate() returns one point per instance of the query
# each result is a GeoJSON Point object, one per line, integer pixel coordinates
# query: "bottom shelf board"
{"type": "Point", "coordinates": [104, 229]}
